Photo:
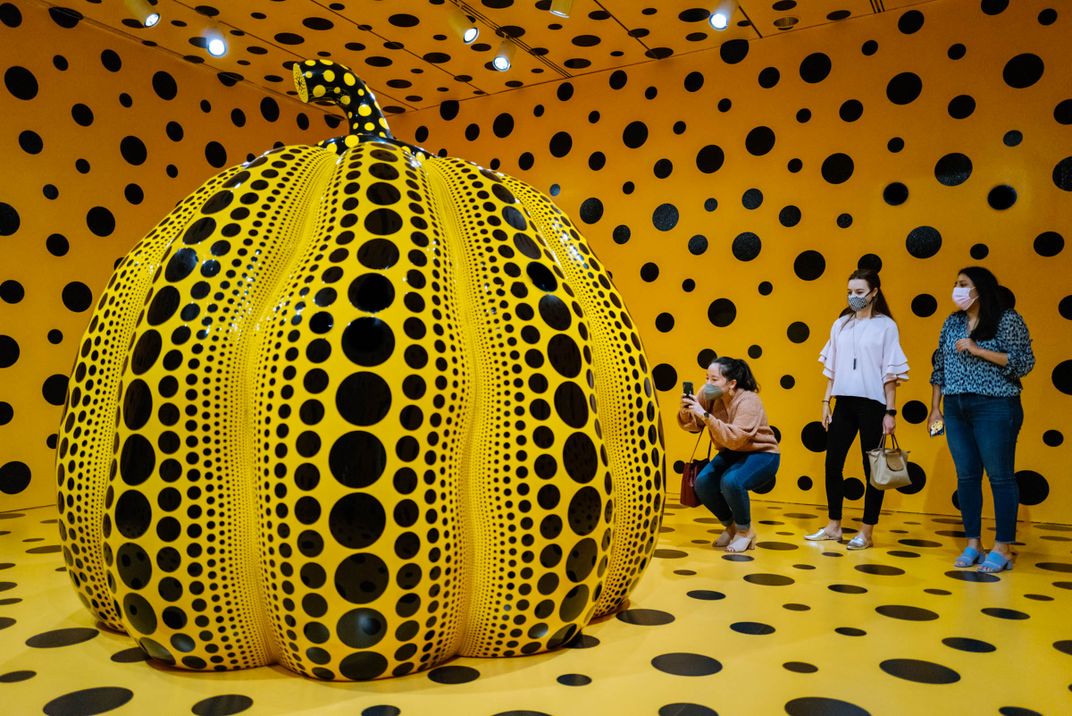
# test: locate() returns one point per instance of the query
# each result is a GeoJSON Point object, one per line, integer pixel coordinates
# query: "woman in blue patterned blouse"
{"type": "Point", "coordinates": [983, 351]}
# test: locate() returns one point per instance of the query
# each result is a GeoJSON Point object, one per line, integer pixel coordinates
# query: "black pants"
{"type": "Point", "coordinates": [853, 415]}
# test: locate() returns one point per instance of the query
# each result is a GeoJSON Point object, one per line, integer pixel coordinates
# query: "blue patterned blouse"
{"type": "Point", "coordinates": [958, 372]}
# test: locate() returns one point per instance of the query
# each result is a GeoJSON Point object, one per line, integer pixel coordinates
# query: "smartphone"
{"type": "Point", "coordinates": [937, 428]}
{"type": "Point", "coordinates": [686, 387]}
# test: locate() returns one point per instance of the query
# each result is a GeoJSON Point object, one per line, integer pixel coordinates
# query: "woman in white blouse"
{"type": "Point", "coordinates": [863, 363]}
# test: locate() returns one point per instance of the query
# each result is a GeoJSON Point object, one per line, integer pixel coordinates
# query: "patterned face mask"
{"type": "Point", "coordinates": [857, 303]}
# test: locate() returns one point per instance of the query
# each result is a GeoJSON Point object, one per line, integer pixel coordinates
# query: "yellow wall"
{"type": "Point", "coordinates": [584, 122]}
{"type": "Point", "coordinates": [70, 99]}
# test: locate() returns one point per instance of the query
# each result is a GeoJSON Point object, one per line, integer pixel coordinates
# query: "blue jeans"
{"type": "Point", "coordinates": [723, 484]}
{"type": "Point", "coordinates": [982, 431]}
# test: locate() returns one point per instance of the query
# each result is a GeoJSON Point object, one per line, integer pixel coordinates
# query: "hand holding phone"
{"type": "Point", "coordinates": [686, 387]}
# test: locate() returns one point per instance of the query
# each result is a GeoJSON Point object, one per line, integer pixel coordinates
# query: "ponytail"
{"type": "Point", "coordinates": [736, 369]}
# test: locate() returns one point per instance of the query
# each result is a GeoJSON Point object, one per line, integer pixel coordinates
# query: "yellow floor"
{"type": "Point", "coordinates": [792, 628]}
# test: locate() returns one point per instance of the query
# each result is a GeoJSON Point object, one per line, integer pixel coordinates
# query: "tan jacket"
{"type": "Point", "coordinates": [741, 426]}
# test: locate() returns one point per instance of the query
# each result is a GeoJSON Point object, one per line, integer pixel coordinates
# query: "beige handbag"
{"type": "Point", "coordinates": [889, 466]}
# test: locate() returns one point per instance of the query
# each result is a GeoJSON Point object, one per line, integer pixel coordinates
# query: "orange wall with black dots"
{"type": "Point", "coordinates": [100, 137]}
{"type": "Point", "coordinates": [732, 191]}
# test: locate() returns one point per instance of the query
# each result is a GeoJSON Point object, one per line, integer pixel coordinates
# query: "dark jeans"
{"type": "Point", "coordinates": [723, 484]}
{"type": "Point", "coordinates": [982, 431]}
{"type": "Point", "coordinates": [853, 415]}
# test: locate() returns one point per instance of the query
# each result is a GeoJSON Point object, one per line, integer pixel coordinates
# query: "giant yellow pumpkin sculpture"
{"type": "Point", "coordinates": [356, 409]}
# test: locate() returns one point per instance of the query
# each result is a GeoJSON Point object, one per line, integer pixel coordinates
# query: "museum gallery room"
{"type": "Point", "coordinates": [536, 357]}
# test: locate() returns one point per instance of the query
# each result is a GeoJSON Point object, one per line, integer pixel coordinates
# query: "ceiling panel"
{"type": "Point", "coordinates": [407, 53]}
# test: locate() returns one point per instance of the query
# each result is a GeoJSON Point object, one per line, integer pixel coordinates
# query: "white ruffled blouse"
{"type": "Point", "coordinates": [863, 355]}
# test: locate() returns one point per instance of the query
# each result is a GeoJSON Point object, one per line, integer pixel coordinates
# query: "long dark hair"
{"type": "Point", "coordinates": [992, 302]}
{"type": "Point", "coordinates": [879, 305]}
{"type": "Point", "coordinates": [736, 369]}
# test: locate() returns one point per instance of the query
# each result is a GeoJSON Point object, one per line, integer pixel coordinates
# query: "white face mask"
{"type": "Point", "coordinates": [962, 297]}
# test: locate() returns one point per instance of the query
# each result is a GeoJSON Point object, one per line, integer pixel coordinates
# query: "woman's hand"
{"type": "Point", "coordinates": [889, 424]}
{"type": "Point", "coordinates": [689, 405]}
{"type": "Point", "coordinates": [934, 417]}
{"type": "Point", "coordinates": [826, 415]}
{"type": "Point", "coordinates": [967, 345]}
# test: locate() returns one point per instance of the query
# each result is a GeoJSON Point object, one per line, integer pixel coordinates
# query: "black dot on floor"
{"type": "Point", "coordinates": [706, 595]}
{"type": "Point", "coordinates": [753, 628]}
{"type": "Point", "coordinates": [769, 580]}
{"type": "Point", "coordinates": [967, 576]}
{"type": "Point", "coordinates": [12, 677]}
{"type": "Point", "coordinates": [879, 569]}
{"type": "Point", "coordinates": [582, 641]}
{"type": "Point", "coordinates": [923, 672]}
{"type": "Point", "coordinates": [129, 656]}
{"type": "Point", "coordinates": [61, 637]}
{"type": "Point", "coordinates": [670, 554]}
{"type": "Point", "coordinates": [453, 674]}
{"type": "Point", "coordinates": [850, 631]}
{"type": "Point", "coordinates": [224, 705]}
{"type": "Point", "coordinates": [907, 613]}
{"type": "Point", "coordinates": [822, 706]}
{"type": "Point", "coordinates": [686, 664]}
{"type": "Point", "coordinates": [645, 617]}
{"type": "Point", "coordinates": [800, 667]}
{"type": "Point", "coordinates": [382, 710]}
{"type": "Point", "coordinates": [684, 709]}
{"type": "Point", "coordinates": [847, 589]}
{"type": "Point", "coordinates": [574, 680]}
{"type": "Point", "coordinates": [88, 701]}
{"type": "Point", "coordinates": [966, 644]}
{"type": "Point", "coordinates": [1003, 613]}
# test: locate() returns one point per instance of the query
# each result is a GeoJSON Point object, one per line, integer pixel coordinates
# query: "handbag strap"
{"type": "Point", "coordinates": [893, 438]}
{"type": "Point", "coordinates": [696, 446]}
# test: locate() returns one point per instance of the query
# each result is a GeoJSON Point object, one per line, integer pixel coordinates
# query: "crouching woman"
{"type": "Point", "coordinates": [747, 458]}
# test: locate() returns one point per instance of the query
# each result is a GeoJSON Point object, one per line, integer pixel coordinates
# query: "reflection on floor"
{"type": "Point", "coordinates": [791, 627]}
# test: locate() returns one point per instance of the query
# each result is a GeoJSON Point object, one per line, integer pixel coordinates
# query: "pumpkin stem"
{"type": "Point", "coordinates": [325, 81]}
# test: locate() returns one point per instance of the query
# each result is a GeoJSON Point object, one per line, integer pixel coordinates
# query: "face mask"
{"type": "Point", "coordinates": [711, 392]}
{"type": "Point", "coordinates": [962, 297]}
{"type": "Point", "coordinates": [857, 303]}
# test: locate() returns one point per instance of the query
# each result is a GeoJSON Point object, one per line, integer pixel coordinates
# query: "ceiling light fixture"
{"type": "Point", "coordinates": [504, 56]}
{"type": "Point", "coordinates": [561, 8]}
{"type": "Point", "coordinates": [463, 25]}
{"type": "Point", "coordinates": [143, 12]}
{"type": "Point", "coordinates": [214, 42]}
{"type": "Point", "coordinates": [720, 16]}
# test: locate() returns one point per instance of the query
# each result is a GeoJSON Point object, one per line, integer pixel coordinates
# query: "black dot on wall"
{"type": "Point", "coordinates": [733, 51]}
{"type": "Point", "coordinates": [895, 194]}
{"type": "Point", "coordinates": [746, 246]}
{"type": "Point", "coordinates": [649, 272]}
{"type": "Point", "coordinates": [923, 242]}
{"type": "Point", "coordinates": [100, 221]}
{"type": "Point", "coordinates": [14, 476]}
{"type": "Point", "coordinates": [809, 265]}
{"type": "Point", "coordinates": [956, 51]}
{"type": "Point", "coordinates": [664, 322]}
{"type": "Point", "coordinates": [765, 288]}
{"type": "Point", "coordinates": [895, 145]}
{"type": "Point", "coordinates": [1062, 174]}
{"type": "Point", "coordinates": [1062, 377]}
{"type": "Point", "coordinates": [768, 77]}
{"type": "Point", "coordinates": [1034, 488]}
{"type": "Point", "coordinates": [910, 22]}
{"type": "Point", "coordinates": [710, 159]}
{"type": "Point", "coordinates": [665, 217]}
{"type": "Point", "coordinates": [1049, 244]}
{"type": "Point", "coordinates": [76, 296]}
{"type": "Point", "coordinates": [754, 351]}
{"type": "Point", "coordinates": [698, 245]}
{"type": "Point", "coordinates": [721, 312]}
{"type": "Point", "coordinates": [665, 376]}
{"type": "Point", "coordinates": [953, 169]}
{"type": "Point", "coordinates": [851, 110]}
{"type": "Point", "coordinates": [164, 85]}
{"type": "Point", "coordinates": [11, 291]}
{"type": "Point", "coordinates": [813, 436]}
{"type": "Point", "coordinates": [837, 168]}
{"type": "Point", "coordinates": [704, 357]}
{"type": "Point", "coordinates": [1001, 197]}
{"type": "Point", "coordinates": [54, 389]}
{"type": "Point", "coordinates": [1023, 70]}
{"type": "Point", "coordinates": [869, 48]}
{"type": "Point", "coordinates": [815, 67]}
{"type": "Point", "coordinates": [752, 199]}
{"type": "Point", "coordinates": [869, 262]}
{"type": "Point", "coordinates": [789, 216]}
{"type": "Point", "coordinates": [924, 305]}
{"type": "Point", "coordinates": [1052, 438]}
{"type": "Point", "coordinates": [591, 210]}
{"type": "Point", "coordinates": [1012, 138]}
{"type": "Point", "coordinates": [635, 134]}
{"type": "Point", "coordinates": [760, 141]}
{"type": "Point", "coordinates": [9, 219]}
{"type": "Point", "coordinates": [798, 332]}
{"type": "Point", "coordinates": [961, 107]}
{"type": "Point", "coordinates": [904, 88]}
{"type": "Point", "coordinates": [1064, 307]}
{"type": "Point", "coordinates": [844, 221]}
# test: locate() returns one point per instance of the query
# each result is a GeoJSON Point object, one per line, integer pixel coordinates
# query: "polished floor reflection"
{"type": "Point", "coordinates": [790, 627]}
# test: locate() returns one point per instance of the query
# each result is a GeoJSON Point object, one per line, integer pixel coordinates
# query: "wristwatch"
{"type": "Point", "coordinates": [891, 411]}
{"type": "Point", "coordinates": [706, 415]}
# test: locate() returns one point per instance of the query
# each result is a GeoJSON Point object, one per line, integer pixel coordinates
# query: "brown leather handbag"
{"type": "Point", "coordinates": [692, 469]}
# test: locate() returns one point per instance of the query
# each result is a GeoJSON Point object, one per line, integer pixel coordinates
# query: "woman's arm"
{"type": "Point", "coordinates": [739, 431]}
{"type": "Point", "coordinates": [936, 404]}
{"type": "Point", "coordinates": [889, 422]}
{"type": "Point", "coordinates": [826, 402]}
